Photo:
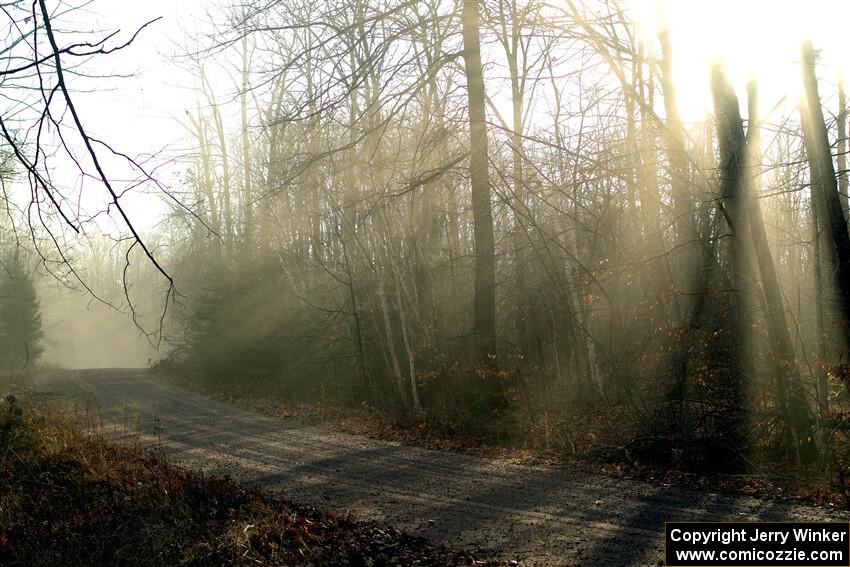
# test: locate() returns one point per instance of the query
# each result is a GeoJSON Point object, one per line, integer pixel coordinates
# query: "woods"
{"type": "Point", "coordinates": [20, 320]}
{"type": "Point", "coordinates": [499, 218]}
{"type": "Point", "coordinates": [493, 215]}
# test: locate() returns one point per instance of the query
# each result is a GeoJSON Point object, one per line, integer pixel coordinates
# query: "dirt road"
{"type": "Point", "coordinates": [538, 516]}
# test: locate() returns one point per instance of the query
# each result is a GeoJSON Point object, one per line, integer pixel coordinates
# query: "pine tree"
{"type": "Point", "coordinates": [20, 319]}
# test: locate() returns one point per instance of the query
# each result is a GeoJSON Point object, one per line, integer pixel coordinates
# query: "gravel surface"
{"type": "Point", "coordinates": [536, 515]}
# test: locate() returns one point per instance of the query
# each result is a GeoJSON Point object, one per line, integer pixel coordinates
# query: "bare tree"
{"type": "Point", "coordinates": [47, 128]}
{"type": "Point", "coordinates": [825, 190]}
{"type": "Point", "coordinates": [484, 325]}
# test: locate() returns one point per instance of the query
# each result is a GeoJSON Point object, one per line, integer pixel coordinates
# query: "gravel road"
{"type": "Point", "coordinates": [537, 515]}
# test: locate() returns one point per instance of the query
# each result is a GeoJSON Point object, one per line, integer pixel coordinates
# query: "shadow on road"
{"type": "Point", "coordinates": [545, 516]}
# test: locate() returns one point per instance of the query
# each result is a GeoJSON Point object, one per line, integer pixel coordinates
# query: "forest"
{"type": "Point", "coordinates": [494, 217]}
{"type": "Point", "coordinates": [555, 226]}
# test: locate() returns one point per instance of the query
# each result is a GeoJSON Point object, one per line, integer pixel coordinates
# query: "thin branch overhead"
{"type": "Point", "coordinates": [40, 113]}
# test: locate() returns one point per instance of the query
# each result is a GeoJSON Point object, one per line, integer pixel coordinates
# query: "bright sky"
{"type": "Point", "coordinates": [754, 39]}
{"type": "Point", "coordinates": [159, 89]}
{"type": "Point", "coordinates": [137, 114]}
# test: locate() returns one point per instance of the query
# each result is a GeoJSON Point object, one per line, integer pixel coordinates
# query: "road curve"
{"type": "Point", "coordinates": [537, 515]}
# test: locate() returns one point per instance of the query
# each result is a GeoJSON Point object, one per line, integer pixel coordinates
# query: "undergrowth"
{"type": "Point", "coordinates": [67, 497]}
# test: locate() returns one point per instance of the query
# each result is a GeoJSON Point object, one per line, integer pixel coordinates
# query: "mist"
{"type": "Point", "coordinates": [582, 228]}
{"type": "Point", "coordinates": [80, 332]}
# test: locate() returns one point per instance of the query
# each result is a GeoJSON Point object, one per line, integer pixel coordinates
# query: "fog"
{"type": "Point", "coordinates": [82, 333]}
{"type": "Point", "coordinates": [546, 224]}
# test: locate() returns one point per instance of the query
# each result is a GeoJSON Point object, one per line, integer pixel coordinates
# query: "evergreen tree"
{"type": "Point", "coordinates": [20, 319]}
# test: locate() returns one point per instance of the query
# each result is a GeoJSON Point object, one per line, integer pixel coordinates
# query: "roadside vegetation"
{"type": "Point", "coordinates": [67, 497]}
{"type": "Point", "coordinates": [603, 454]}
{"type": "Point", "coordinates": [499, 223]}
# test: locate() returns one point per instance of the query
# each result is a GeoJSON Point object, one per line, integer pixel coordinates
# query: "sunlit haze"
{"type": "Point", "coordinates": [753, 39]}
{"type": "Point", "coordinates": [593, 254]}
{"type": "Point", "coordinates": [140, 103]}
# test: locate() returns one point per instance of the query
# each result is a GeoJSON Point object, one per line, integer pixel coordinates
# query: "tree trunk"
{"type": "Point", "coordinates": [790, 392]}
{"type": "Point", "coordinates": [227, 204]}
{"type": "Point", "coordinates": [484, 304]}
{"type": "Point", "coordinates": [689, 261]}
{"type": "Point", "coordinates": [247, 197]}
{"type": "Point", "coordinates": [825, 431]}
{"type": "Point", "coordinates": [842, 147]}
{"type": "Point", "coordinates": [732, 144]}
{"type": "Point", "coordinates": [825, 189]}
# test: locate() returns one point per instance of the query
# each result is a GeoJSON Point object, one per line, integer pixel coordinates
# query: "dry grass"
{"type": "Point", "coordinates": [68, 497]}
{"type": "Point", "coordinates": [554, 448]}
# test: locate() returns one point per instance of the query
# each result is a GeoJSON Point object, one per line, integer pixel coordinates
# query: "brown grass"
{"type": "Point", "coordinates": [70, 498]}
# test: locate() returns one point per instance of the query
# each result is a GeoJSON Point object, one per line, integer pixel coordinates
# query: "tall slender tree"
{"type": "Point", "coordinates": [825, 191]}
{"type": "Point", "coordinates": [484, 302]}
{"type": "Point", "coordinates": [790, 394]}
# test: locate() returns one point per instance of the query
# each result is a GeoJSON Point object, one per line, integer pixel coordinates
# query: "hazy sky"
{"type": "Point", "coordinates": [146, 102]}
{"type": "Point", "coordinates": [758, 38]}
{"type": "Point", "coordinates": [137, 114]}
